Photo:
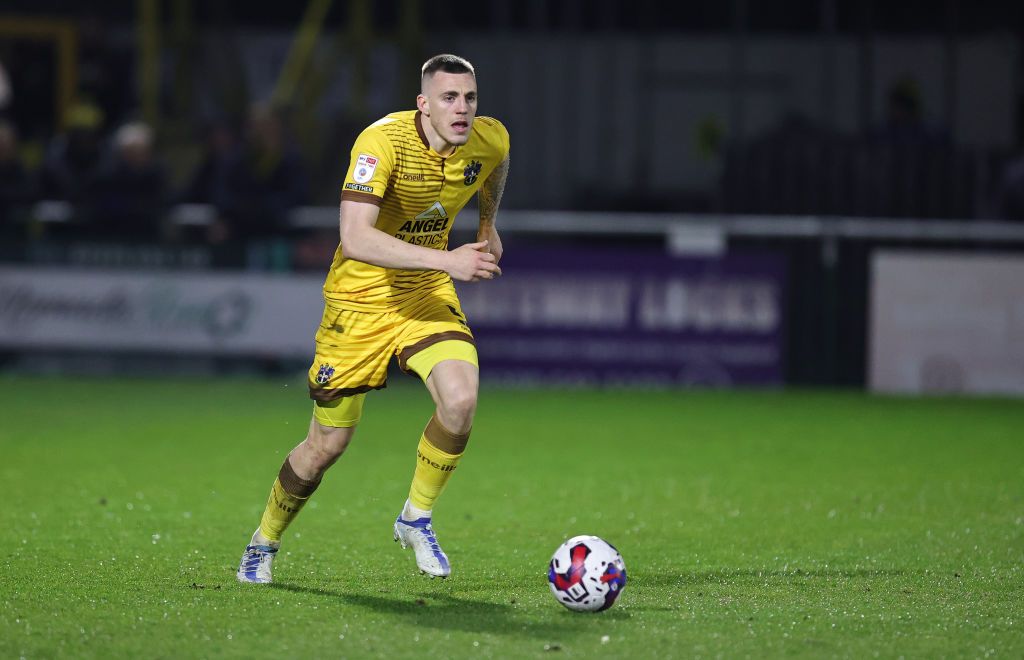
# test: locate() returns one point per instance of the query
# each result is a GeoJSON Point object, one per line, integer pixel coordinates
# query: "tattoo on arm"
{"type": "Point", "coordinates": [490, 194]}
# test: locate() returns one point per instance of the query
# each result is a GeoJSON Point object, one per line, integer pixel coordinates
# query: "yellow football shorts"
{"type": "Point", "coordinates": [353, 350]}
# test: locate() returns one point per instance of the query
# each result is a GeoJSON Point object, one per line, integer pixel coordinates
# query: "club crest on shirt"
{"type": "Point", "coordinates": [365, 167]}
{"type": "Point", "coordinates": [325, 373]}
{"type": "Point", "coordinates": [472, 171]}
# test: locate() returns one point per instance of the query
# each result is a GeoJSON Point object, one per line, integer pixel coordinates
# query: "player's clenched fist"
{"type": "Point", "coordinates": [471, 263]}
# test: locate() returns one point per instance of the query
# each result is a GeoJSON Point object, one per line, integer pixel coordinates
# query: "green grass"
{"type": "Point", "coordinates": [756, 524]}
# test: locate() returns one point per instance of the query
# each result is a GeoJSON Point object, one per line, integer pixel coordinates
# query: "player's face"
{"type": "Point", "coordinates": [448, 100]}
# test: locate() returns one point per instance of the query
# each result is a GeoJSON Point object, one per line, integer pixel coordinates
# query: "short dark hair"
{"type": "Point", "coordinates": [448, 63]}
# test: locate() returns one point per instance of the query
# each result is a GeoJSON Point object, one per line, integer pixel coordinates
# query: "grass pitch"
{"type": "Point", "coordinates": [753, 524]}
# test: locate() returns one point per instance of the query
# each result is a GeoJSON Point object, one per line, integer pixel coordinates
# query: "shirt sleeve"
{"type": "Point", "coordinates": [369, 168]}
{"type": "Point", "coordinates": [504, 141]}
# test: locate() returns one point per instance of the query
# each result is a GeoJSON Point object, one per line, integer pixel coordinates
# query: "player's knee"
{"type": "Point", "coordinates": [327, 443]}
{"type": "Point", "coordinates": [458, 408]}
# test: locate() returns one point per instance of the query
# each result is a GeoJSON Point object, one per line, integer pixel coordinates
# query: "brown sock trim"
{"type": "Point", "coordinates": [445, 440]}
{"type": "Point", "coordinates": [293, 484]}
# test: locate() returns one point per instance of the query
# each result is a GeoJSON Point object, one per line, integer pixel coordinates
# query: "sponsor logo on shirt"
{"type": "Point", "coordinates": [359, 187]}
{"type": "Point", "coordinates": [429, 228]}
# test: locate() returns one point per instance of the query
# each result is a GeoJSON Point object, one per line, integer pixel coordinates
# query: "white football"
{"type": "Point", "coordinates": [587, 574]}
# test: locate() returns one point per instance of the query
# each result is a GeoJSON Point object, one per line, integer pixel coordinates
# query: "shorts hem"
{"type": "Point", "coordinates": [325, 395]}
{"type": "Point", "coordinates": [427, 342]}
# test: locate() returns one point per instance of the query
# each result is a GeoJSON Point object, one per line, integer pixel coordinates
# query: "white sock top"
{"type": "Point", "coordinates": [412, 513]}
{"type": "Point", "coordinates": [257, 539]}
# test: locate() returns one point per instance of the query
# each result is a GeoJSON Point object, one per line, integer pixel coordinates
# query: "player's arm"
{"type": "Point", "coordinates": [488, 199]}
{"type": "Point", "coordinates": [362, 241]}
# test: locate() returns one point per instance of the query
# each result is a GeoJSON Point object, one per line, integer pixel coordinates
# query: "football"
{"type": "Point", "coordinates": [587, 574]}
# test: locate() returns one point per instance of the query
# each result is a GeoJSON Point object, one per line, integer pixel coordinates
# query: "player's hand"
{"type": "Point", "coordinates": [490, 235]}
{"type": "Point", "coordinates": [472, 262]}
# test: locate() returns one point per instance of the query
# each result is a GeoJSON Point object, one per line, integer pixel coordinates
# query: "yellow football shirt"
{"type": "Point", "coordinates": [419, 194]}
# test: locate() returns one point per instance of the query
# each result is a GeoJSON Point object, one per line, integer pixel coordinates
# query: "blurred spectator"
{"type": "Point", "coordinates": [264, 178]}
{"type": "Point", "coordinates": [16, 186]}
{"type": "Point", "coordinates": [794, 166]}
{"type": "Point", "coordinates": [1010, 192]}
{"type": "Point", "coordinates": [131, 188]}
{"type": "Point", "coordinates": [1006, 201]}
{"type": "Point", "coordinates": [220, 140]}
{"type": "Point", "coordinates": [219, 143]}
{"type": "Point", "coordinates": [904, 118]}
{"type": "Point", "coordinates": [907, 167]}
{"type": "Point", "coordinates": [72, 160]}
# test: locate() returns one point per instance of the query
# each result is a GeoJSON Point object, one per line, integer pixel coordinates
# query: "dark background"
{"type": "Point", "coordinates": [198, 128]}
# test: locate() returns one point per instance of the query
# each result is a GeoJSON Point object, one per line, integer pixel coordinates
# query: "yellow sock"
{"type": "Point", "coordinates": [287, 497]}
{"type": "Point", "coordinates": [437, 456]}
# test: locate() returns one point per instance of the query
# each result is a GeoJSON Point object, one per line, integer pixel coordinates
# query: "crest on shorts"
{"type": "Point", "coordinates": [365, 167]}
{"type": "Point", "coordinates": [325, 373]}
{"type": "Point", "coordinates": [472, 171]}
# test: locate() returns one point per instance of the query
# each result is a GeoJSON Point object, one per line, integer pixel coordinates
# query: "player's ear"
{"type": "Point", "coordinates": [422, 105]}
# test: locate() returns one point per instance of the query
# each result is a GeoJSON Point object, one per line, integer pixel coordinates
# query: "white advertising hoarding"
{"type": "Point", "coordinates": [947, 323]}
{"type": "Point", "coordinates": [196, 313]}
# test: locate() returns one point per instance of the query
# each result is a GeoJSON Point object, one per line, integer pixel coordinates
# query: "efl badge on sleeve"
{"type": "Point", "coordinates": [365, 166]}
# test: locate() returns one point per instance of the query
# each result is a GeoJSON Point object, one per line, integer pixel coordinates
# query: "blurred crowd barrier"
{"type": "Point", "coordinates": [587, 299]}
{"type": "Point", "coordinates": [946, 322]}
